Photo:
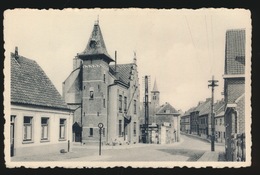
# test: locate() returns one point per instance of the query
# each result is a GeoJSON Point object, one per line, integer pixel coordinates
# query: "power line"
{"type": "Point", "coordinates": [193, 42]}
{"type": "Point", "coordinates": [212, 35]}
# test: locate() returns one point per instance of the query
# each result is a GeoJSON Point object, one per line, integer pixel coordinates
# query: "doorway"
{"type": "Point", "coordinates": [12, 133]}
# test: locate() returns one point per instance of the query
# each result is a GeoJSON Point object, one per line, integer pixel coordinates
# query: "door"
{"type": "Point", "coordinates": [12, 132]}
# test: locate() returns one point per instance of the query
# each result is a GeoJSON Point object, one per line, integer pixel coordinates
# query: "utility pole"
{"type": "Point", "coordinates": [146, 107]}
{"type": "Point", "coordinates": [212, 83]}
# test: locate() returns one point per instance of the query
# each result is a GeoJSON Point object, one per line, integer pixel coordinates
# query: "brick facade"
{"type": "Point", "coordinates": [234, 91]}
{"type": "Point", "coordinates": [103, 93]}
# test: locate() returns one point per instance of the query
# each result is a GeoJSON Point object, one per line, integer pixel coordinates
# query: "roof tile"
{"type": "Point", "coordinates": [30, 85]}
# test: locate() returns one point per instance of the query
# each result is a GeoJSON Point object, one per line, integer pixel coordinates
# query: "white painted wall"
{"type": "Point", "coordinates": [37, 146]}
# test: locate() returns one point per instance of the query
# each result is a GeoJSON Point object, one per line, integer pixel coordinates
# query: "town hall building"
{"type": "Point", "coordinates": [100, 92]}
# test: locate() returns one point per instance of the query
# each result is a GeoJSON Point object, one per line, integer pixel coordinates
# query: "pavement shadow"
{"type": "Point", "coordinates": [193, 155]}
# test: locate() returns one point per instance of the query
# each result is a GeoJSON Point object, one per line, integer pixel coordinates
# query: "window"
{"type": "Point", "coordinates": [91, 93]}
{"type": "Point", "coordinates": [120, 128]}
{"type": "Point", "coordinates": [104, 78]}
{"type": "Point", "coordinates": [120, 103]}
{"type": "Point", "coordinates": [216, 122]}
{"type": "Point", "coordinates": [90, 132]}
{"type": "Point", "coordinates": [134, 128]}
{"type": "Point", "coordinates": [104, 103]}
{"type": "Point", "coordinates": [27, 128]}
{"type": "Point", "coordinates": [45, 128]}
{"type": "Point", "coordinates": [134, 106]}
{"type": "Point", "coordinates": [125, 104]}
{"type": "Point", "coordinates": [104, 132]}
{"type": "Point", "coordinates": [62, 128]}
{"type": "Point", "coordinates": [220, 121]}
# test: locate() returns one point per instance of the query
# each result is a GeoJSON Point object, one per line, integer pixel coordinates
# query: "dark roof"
{"type": "Point", "coordinates": [235, 52]}
{"type": "Point", "coordinates": [189, 111]}
{"type": "Point", "coordinates": [96, 44]}
{"type": "Point", "coordinates": [31, 86]}
{"type": "Point", "coordinates": [165, 107]}
{"type": "Point", "coordinates": [123, 72]}
{"type": "Point", "coordinates": [204, 108]}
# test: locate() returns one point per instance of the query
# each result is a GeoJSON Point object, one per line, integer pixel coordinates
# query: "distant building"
{"type": "Point", "coordinates": [199, 118]}
{"type": "Point", "coordinates": [103, 93]}
{"type": "Point", "coordinates": [168, 122]}
{"type": "Point", "coordinates": [220, 128]}
{"type": "Point", "coordinates": [185, 121]}
{"type": "Point", "coordinates": [164, 121]}
{"type": "Point", "coordinates": [41, 122]}
{"type": "Point", "coordinates": [234, 92]}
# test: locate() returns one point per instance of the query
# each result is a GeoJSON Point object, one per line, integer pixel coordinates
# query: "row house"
{"type": "Point", "coordinates": [101, 92]}
{"type": "Point", "coordinates": [234, 92]}
{"type": "Point", "coordinates": [185, 121]}
{"type": "Point", "coordinates": [40, 120]}
{"type": "Point", "coordinates": [200, 118]}
{"type": "Point", "coordinates": [220, 128]}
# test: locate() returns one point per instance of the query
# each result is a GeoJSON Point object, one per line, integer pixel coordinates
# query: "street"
{"type": "Point", "coordinates": [188, 149]}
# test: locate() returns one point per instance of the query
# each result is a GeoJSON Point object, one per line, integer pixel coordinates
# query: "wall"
{"type": "Point", "coordinates": [37, 146]}
{"type": "Point", "coordinates": [93, 111]}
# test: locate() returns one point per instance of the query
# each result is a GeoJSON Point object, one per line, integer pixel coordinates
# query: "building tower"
{"type": "Point", "coordinates": [155, 99]}
{"type": "Point", "coordinates": [95, 68]}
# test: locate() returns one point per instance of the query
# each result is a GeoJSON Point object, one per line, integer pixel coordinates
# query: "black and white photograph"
{"type": "Point", "coordinates": [127, 87]}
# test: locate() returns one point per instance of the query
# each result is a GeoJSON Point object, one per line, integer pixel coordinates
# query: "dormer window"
{"type": "Point", "coordinates": [92, 43]}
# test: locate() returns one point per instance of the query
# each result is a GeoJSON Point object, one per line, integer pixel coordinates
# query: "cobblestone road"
{"type": "Point", "coordinates": [188, 149]}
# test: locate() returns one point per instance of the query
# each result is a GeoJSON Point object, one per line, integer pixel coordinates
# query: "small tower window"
{"type": "Point", "coordinates": [90, 132]}
{"type": "Point", "coordinates": [104, 78]}
{"type": "Point", "coordinates": [134, 106]}
{"type": "Point", "coordinates": [91, 93]}
{"type": "Point", "coordinates": [104, 103]}
{"type": "Point", "coordinates": [120, 103]}
{"type": "Point", "coordinates": [125, 104]}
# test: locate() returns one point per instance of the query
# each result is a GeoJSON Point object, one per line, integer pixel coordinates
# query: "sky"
{"type": "Point", "coordinates": [181, 49]}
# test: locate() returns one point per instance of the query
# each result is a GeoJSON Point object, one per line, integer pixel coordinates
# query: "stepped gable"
{"type": "Point", "coordinates": [31, 86]}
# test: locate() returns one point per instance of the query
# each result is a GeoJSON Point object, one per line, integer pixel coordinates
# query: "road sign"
{"type": "Point", "coordinates": [100, 125]}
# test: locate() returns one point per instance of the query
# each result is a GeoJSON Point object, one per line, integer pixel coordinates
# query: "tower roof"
{"type": "Point", "coordinates": [96, 45]}
{"type": "Point", "coordinates": [155, 88]}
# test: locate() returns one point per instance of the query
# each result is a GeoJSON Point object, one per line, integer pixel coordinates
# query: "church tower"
{"type": "Point", "coordinates": [95, 80]}
{"type": "Point", "coordinates": [155, 99]}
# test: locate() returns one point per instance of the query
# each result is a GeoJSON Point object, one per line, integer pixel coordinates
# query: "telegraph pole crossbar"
{"type": "Point", "coordinates": [212, 84]}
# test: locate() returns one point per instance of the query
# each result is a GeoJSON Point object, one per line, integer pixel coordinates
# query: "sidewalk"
{"type": "Point", "coordinates": [203, 139]}
{"type": "Point", "coordinates": [209, 156]}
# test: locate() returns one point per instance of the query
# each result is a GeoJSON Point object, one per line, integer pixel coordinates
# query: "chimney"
{"type": "Point", "coordinates": [16, 55]}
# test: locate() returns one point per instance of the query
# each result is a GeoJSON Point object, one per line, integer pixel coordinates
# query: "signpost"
{"type": "Point", "coordinates": [100, 125]}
